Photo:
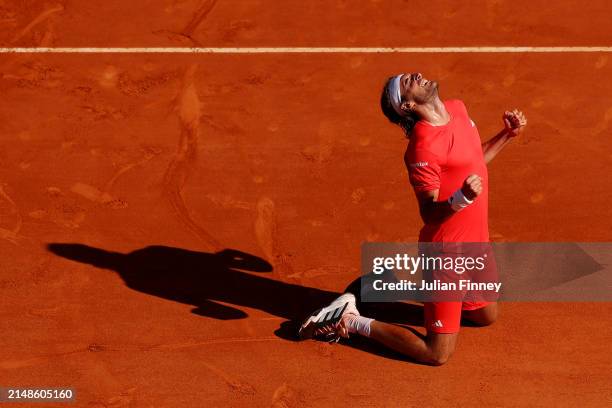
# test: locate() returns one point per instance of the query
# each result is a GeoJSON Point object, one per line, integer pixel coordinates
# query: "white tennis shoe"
{"type": "Point", "coordinates": [328, 317]}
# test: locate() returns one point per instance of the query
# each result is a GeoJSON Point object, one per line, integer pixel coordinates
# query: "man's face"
{"type": "Point", "coordinates": [415, 88]}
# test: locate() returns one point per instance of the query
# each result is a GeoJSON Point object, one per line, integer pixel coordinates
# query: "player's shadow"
{"type": "Point", "coordinates": [203, 279]}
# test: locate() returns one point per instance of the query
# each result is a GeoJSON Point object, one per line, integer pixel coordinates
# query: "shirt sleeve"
{"type": "Point", "coordinates": [423, 170]}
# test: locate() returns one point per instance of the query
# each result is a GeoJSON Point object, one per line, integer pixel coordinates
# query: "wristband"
{"type": "Point", "coordinates": [458, 201]}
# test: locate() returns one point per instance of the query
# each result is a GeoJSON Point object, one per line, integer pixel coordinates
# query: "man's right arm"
{"type": "Point", "coordinates": [434, 212]}
{"type": "Point", "coordinates": [431, 210]}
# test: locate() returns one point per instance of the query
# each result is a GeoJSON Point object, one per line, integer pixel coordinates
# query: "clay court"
{"type": "Point", "coordinates": [130, 181]}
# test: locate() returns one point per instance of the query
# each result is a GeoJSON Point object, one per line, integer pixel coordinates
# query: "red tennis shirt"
{"type": "Point", "coordinates": [441, 158]}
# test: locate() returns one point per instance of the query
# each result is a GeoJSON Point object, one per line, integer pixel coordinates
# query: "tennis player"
{"type": "Point", "coordinates": [447, 167]}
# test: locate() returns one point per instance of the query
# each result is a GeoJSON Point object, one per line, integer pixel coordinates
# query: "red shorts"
{"type": "Point", "coordinates": [445, 317]}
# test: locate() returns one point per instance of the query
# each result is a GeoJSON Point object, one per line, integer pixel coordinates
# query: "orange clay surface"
{"type": "Point", "coordinates": [150, 166]}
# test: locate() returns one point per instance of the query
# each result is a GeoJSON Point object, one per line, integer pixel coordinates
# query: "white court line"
{"type": "Point", "coordinates": [296, 50]}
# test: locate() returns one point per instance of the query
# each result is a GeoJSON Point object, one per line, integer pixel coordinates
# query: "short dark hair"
{"type": "Point", "coordinates": [405, 122]}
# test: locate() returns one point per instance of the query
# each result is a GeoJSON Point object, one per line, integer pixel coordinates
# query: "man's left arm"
{"type": "Point", "coordinates": [514, 122]}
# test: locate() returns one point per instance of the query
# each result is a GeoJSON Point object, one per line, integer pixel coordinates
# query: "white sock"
{"type": "Point", "coordinates": [358, 324]}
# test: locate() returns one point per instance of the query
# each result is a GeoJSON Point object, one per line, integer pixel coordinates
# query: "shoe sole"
{"type": "Point", "coordinates": [320, 318]}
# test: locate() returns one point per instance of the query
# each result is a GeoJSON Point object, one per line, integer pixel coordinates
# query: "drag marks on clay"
{"type": "Point", "coordinates": [267, 237]}
{"type": "Point", "coordinates": [136, 87]}
{"type": "Point", "coordinates": [62, 211]}
{"type": "Point", "coordinates": [39, 19]}
{"type": "Point", "coordinates": [286, 396]}
{"type": "Point", "coordinates": [227, 201]}
{"type": "Point", "coordinates": [199, 16]}
{"type": "Point", "coordinates": [101, 197]}
{"type": "Point", "coordinates": [10, 217]}
{"type": "Point", "coordinates": [265, 226]}
{"type": "Point", "coordinates": [186, 34]}
{"type": "Point", "coordinates": [189, 111]}
{"type": "Point", "coordinates": [149, 153]}
{"type": "Point", "coordinates": [35, 74]}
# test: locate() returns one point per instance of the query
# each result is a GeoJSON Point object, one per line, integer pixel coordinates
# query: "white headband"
{"type": "Point", "coordinates": [395, 95]}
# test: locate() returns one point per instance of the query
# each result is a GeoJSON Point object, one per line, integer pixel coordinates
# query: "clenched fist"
{"type": "Point", "coordinates": [514, 122]}
{"type": "Point", "coordinates": [472, 187]}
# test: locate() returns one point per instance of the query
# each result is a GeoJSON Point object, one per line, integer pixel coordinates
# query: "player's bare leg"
{"type": "Point", "coordinates": [482, 317]}
{"type": "Point", "coordinates": [434, 349]}
{"type": "Point", "coordinates": [341, 319]}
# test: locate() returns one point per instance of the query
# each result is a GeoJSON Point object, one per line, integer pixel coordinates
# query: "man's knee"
{"type": "Point", "coordinates": [483, 317]}
{"type": "Point", "coordinates": [487, 320]}
{"type": "Point", "coordinates": [441, 347]}
{"type": "Point", "coordinates": [439, 358]}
